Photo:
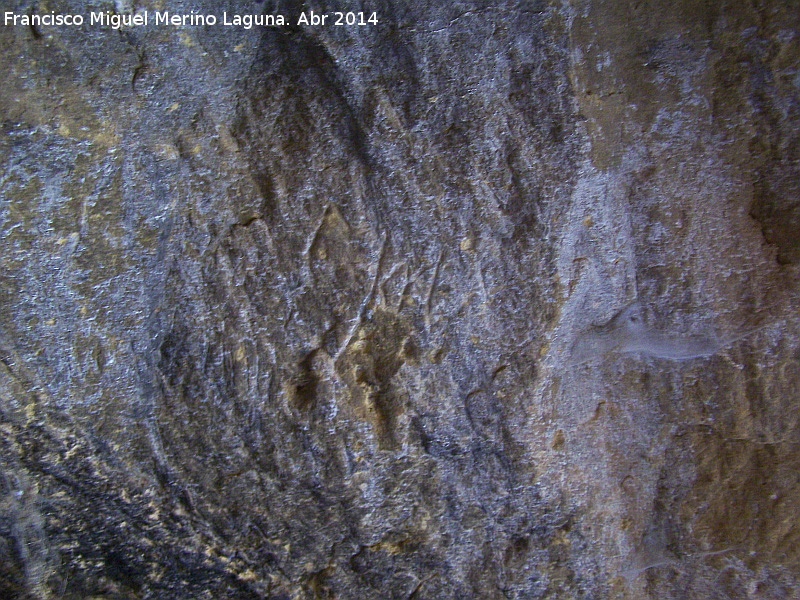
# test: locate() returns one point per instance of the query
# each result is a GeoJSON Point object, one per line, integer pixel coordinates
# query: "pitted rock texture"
{"type": "Point", "coordinates": [336, 312]}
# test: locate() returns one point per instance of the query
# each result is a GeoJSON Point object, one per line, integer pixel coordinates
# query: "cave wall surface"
{"type": "Point", "coordinates": [483, 300]}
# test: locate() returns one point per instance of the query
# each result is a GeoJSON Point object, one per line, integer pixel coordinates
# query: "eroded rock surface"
{"type": "Point", "coordinates": [293, 312]}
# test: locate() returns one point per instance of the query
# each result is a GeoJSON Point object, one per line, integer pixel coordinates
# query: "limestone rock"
{"type": "Point", "coordinates": [293, 311]}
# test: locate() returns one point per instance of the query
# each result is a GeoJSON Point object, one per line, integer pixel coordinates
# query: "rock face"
{"type": "Point", "coordinates": [482, 300]}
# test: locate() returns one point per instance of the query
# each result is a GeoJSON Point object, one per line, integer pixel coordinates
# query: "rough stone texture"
{"type": "Point", "coordinates": [489, 300]}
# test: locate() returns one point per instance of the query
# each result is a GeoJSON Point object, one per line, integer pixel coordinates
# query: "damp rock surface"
{"type": "Point", "coordinates": [480, 300]}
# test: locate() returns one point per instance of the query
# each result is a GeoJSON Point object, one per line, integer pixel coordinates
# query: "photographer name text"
{"type": "Point", "coordinates": [144, 18]}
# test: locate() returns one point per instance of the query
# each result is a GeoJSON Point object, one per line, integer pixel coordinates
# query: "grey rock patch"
{"type": "Point", "coordinates": [629, 333]}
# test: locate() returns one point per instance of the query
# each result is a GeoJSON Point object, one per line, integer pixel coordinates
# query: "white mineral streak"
{"type": "Point", "coordinates": [628, 333]}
